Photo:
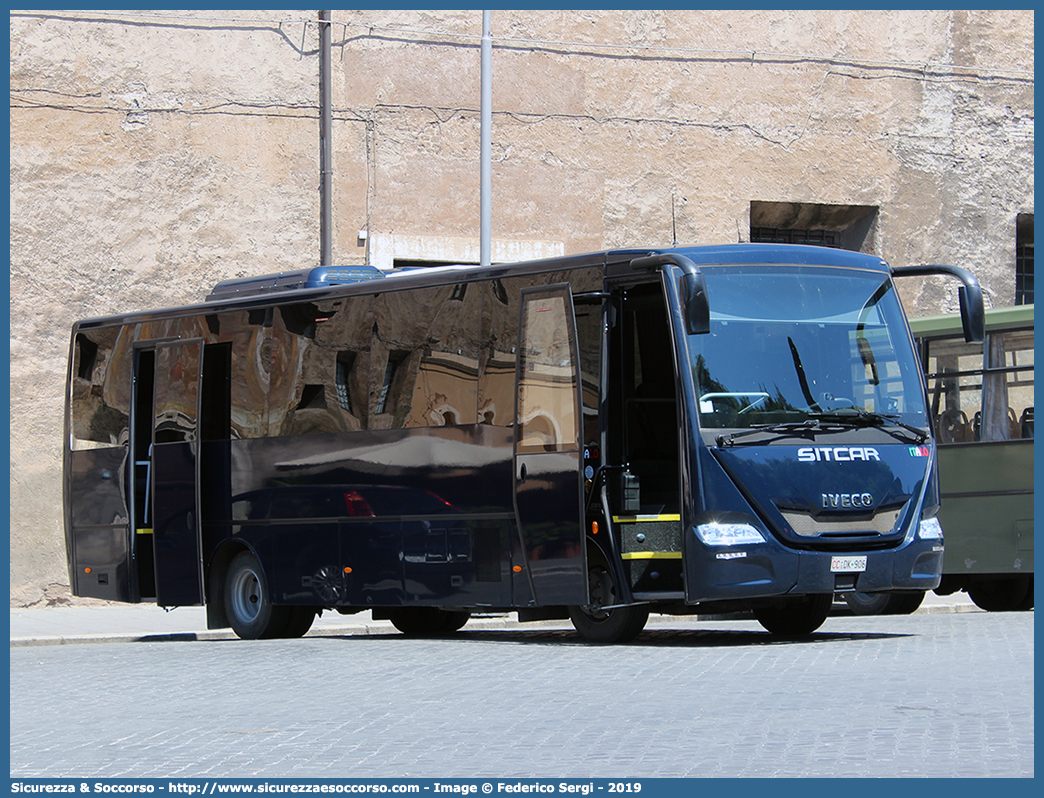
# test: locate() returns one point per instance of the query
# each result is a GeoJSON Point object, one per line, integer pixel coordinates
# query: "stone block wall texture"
{"type": "Point", "coordinates": [155, 153]}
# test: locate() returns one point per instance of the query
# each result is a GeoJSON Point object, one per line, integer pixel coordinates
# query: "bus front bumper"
{"type": "Point", "coordinates": [766, 570]}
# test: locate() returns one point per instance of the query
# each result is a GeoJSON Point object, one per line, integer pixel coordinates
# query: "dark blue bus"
{"type": "Point", "coordinates": [595, 437]}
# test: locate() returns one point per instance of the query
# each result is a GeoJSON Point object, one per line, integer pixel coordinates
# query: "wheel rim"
{"type": "Point", "coordinates": [246, 595]}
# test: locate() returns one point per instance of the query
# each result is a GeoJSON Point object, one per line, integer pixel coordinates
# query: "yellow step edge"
{"type": "Point", "coordinates": [651, 555]}
{"type": "Point", "coordinates": [143, 531]}
{"type": "Point", "coordinates": [634, 519]}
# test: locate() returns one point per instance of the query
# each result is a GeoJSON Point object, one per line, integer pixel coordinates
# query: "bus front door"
{"type": "Point", "coordinates": [644, 424]}
{"type": "Point", "coordinates": [176, 535]}
{"type": "Point", "coordinates": [548, 454]}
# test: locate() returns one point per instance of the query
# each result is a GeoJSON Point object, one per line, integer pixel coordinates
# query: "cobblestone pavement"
{"type": "Point", "coordinates": [943, 695]}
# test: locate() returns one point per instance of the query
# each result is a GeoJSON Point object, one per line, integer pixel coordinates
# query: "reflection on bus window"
{"type": "Point", "coordinates": [781, 350]}
{"type": "Point", "coordinates": [547, 378]}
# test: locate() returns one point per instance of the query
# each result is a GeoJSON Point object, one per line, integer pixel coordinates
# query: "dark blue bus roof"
{"type": "Point", "coordinates": [318, 282]}
{"type": "Point", "coordinates": [779, 254]}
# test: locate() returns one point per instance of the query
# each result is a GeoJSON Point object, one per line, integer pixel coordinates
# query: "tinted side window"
{"type": "Point", "coordinates": [425, 350]}
{"type": "Point", "coordinates": [548, 374]}
{"type": "Point", "coordinates": [500, 311]}
{"type": "Point", "coordinates": [251, 366]}
{"type": "Point", "coordinates": [100, 388]}
{"type": "Point", "coordinates": [445, 392]}
{"type": "Point", "coordinates": [500, 321]}
{"type": "Point", "coordinates": [320, 357]}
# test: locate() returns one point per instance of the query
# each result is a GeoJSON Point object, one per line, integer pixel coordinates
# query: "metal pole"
{"type": "Point", "coordinates": [325, 144]}
{"type": "Point", "coordinates": [485, 173]}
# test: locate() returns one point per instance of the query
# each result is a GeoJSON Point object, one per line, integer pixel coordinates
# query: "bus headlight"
{"type": "Point", "coordinates": [728, 534]}
{"type": "Point", "coordinates": [930, 529]}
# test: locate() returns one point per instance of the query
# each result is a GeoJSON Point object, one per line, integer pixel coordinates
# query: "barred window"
{"type": "Point", "coordinates": [776, 235]}
{"type": "Point", "coordinates": [851, 227]}
{"type": "Point", "coordinates": [1024, 259]}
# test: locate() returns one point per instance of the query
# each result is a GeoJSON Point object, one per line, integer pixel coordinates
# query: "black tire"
{"type": "Point", "coordinates": [1000, 595]}
{"type": "Point", "coordinates": [427, 621]}
{"type": "Point", "coordinates": [867, 603]}
{"type": "Point", "coordinates": [595, 625]}
{"type": "Point", "coordinates": [905, 603]}
{"type": "Point", "coordinates": [1027, 603]}
{"type": "Point", "coordinates": [454, 620]}
{"type": "Point", "coordinates": [795, 617]}
{"type": "Point", "coordinates": [248, 607]}
{"type": "Point", "coordinates": [883, 603]}
{"type": "Point", "coordinates": [299, 622]}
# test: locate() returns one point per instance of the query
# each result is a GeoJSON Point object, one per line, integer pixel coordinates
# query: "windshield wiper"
{"type": "Point", "coordinates": [819, 422]}
{"type": "Point", "coordinates": [809, 427]}
{"type": "Point", "coordinates": [857, 417]}
{"type": "Point", "coordinates": [802, 379]}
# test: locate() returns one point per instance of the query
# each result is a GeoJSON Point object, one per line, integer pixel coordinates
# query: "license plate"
{"type": "Point", "coordinates": [847, 565]}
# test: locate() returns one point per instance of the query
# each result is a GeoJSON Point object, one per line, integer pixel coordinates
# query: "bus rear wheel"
{"type": "Point", "coordinates": [248, 607]}
{"type": "Point", "coordinates": [795, 617]}
{"type": "Point", "coordinates": [427, 621]}
{"type": "Point", "coordinates": [598, 625]}
{"type": "Point", "coordinates": [1000, 595]}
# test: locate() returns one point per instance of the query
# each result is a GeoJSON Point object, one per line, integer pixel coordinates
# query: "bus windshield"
{"type": "Point", "coordinates": [798, 343]}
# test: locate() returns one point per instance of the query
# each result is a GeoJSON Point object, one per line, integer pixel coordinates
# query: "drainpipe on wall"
{"type": "Point", "coordinates": [325, 144]}
{"type": "Point", "coordinates": [485, 175]}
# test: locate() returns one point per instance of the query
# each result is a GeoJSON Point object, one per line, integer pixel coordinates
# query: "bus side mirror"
{"type": "Point", "coordinates": [973, 312]}
{"type": "Point", "coordinates": [693, 290]}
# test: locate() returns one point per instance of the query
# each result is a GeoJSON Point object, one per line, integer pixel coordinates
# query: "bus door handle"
{"type": "Point", "coordinates": [522, 473]}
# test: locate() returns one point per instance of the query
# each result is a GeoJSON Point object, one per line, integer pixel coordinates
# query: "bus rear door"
{"type": "Point", "coordinates": [175, 474]}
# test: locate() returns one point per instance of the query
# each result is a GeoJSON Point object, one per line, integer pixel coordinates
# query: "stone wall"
{"type": "Point", "coordinates": [153, 154]}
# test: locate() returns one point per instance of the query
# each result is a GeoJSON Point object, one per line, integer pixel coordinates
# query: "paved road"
{"type": "Point", "coordinates": [946, 695]}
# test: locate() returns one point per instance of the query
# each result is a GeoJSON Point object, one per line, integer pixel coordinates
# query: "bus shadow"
{"type": "Point", "coordinates": [650, 638]}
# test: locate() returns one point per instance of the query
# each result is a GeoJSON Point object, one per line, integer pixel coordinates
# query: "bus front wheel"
{"type": "Point", "coordinates": [250, 611]}
{"type": "Point", "coordinates": [598, 625]}
{"type": "Point", "coordinates": [795, 617]}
